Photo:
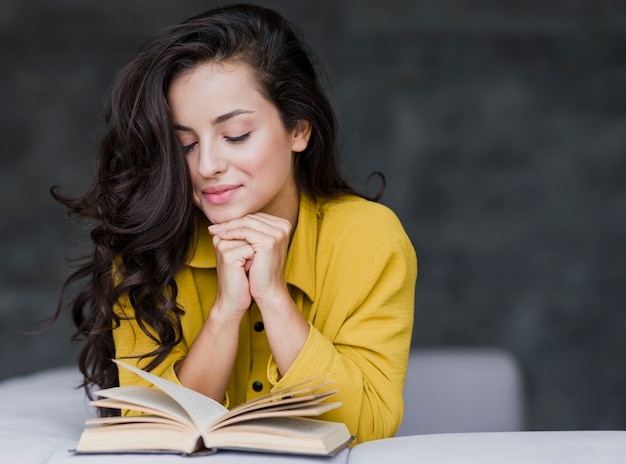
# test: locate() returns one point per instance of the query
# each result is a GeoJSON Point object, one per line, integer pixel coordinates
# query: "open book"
{"type": "Point", "coordinates": [177, 419]}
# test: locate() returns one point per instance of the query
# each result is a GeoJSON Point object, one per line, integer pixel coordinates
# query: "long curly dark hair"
{"type": "Point", "coordinates": [139, 203]}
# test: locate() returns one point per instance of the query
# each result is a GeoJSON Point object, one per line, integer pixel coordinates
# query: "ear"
{"type": "Point", "coordinates": [300, 136]}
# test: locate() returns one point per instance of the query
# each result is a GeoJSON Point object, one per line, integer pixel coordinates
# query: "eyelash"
{"type": "Point", "coordinates": [240, 138]}
{"type": "Point", "coordinates": [187, 148]}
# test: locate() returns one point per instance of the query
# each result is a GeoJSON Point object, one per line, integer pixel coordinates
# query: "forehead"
{"type": "Point", "coordinates": [209, 91]}
{"type": "Point", "coordinates": [216, 72]}
{"type": "Point", "coordinates": [215, 84]}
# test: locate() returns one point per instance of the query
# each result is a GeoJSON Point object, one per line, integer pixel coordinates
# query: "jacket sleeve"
{"type": "Point", "coordinates": [131, 341]}
{"type": "Point", "coordinates": [361, 330]}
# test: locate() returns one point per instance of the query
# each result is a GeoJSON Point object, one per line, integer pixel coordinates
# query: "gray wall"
{"type": "Point", "coordinates": [501, 129]}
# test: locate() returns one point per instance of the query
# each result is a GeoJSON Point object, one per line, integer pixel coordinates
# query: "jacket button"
{"type": "Point", "coordinates": [258, 326]}
{"type": "Point", "coordinates": [257, 386]}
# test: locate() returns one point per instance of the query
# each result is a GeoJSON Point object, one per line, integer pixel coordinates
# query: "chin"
{"type": "Point", "coordinates": [223, 216]}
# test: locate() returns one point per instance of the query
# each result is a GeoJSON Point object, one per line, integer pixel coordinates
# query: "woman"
{"type": "Point", "coordinates": [229, 253]}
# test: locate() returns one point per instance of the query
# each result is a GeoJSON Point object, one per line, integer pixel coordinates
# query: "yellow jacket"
{"type": "Point", "coordinates": [351, 269]}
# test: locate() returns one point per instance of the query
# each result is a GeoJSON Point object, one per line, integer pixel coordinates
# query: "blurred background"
{"type": "Point", "coordinates": [501, 128]}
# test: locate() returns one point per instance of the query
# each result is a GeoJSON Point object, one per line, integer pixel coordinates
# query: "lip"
{"type": "Point", "coordinates": [220, 194]}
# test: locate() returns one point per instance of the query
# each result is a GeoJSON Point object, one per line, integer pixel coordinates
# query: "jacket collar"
{"type": "Point", "coordinates": [300, 263]}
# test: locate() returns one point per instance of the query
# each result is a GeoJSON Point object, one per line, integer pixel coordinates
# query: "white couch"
{"type": "Point", "coordinates": [557, 447]}
{"type": "Point", "coordinates": [476, 394]}
{"type": "Point", "coordinates": [463, 390]}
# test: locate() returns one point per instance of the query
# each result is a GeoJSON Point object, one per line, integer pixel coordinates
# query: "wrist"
{"type": "Point", "coordinates": [221, 316]}
{"type": "Point", "coordinates": [274, 301]}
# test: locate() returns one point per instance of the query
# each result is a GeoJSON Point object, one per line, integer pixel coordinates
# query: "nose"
{"type": "Point", "coordinates": [210, 162]}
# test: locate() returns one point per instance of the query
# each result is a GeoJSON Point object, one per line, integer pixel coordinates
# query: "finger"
{"type": "Point", "coordinates": [233, 251]}
{"type": "Point", "coordinates": [258, 236]}
{"type": "Point", "coordinates": [258, 221]}
{"type": "Point", "coordinates": [226, 246]}
{"type": "Point", "coordinates": [269, 219]}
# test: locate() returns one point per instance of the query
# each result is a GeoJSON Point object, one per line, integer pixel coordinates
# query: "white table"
{"type": "Point", "coordinates": [42, 416]}
{"type": "Point", "coordinates": [569, 447]}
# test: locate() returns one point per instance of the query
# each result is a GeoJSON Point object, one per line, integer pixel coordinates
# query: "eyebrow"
{"type": "Point", "coordinates": [230, 115]}
{"type": "Point", "coordinates": [220, 119]}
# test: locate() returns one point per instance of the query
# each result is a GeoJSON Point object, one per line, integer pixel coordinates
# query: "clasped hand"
{"type": "Point", "coordinates": [251, 253]}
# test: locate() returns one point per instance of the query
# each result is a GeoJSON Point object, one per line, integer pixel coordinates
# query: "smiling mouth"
{"type": "Point", "coordinates": [221, 196]}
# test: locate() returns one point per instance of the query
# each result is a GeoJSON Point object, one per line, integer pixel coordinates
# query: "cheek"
{"type": "Point", "coordinates": [191, 165]}
{"type": "Point", "coordinates": [193, 177]}
{"type": "Point", "coordinates": [277, 156]}
{"type": "Point", "coordinates": [194, 174]}
{"type": "Point", "coordinates": [272, 168]}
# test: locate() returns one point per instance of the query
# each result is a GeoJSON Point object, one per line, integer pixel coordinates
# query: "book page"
{"type": "Point", "coordinates": [136, 437]}
{"type": "Point", "coordinates": [297, 412]}
{"type": "Point", "coordinates": [202, 410]}
{"type": "Point", "coordinates": [293, 406]}
{"type": "Point", "coordinates": [288, 435]}
{"type": "Point", "coordinates": [290, 394]}
{"type": "Point", "coordinates": [143, 419]}
{"type": "Point", "coordinates": [145, 400]}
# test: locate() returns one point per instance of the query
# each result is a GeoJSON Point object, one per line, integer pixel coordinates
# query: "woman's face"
{"type": "Point", "coordinates": [239, 153]}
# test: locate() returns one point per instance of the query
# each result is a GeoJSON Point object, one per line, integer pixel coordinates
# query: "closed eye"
{"type": "Point", "coordinates": [187, 148]}
{"type": "Point", "coordinates": [239, 138]}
